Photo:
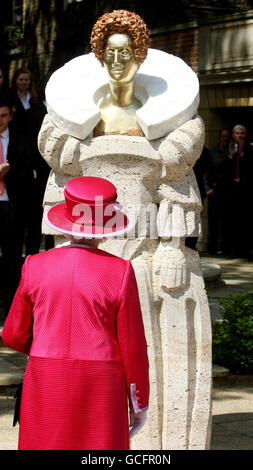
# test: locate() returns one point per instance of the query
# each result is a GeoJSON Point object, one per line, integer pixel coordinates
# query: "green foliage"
{"type": "Point", "coordinates": [14, 35]}
{"type": "Point", "coordinates": [233, 338]}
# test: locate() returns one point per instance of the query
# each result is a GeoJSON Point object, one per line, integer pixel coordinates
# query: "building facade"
{"type": "Point", "coordinates": [217, 44]}
{"type": "Point", "coordinates": [221, 53]}
{"type": "Point", "coordinates": [219, 48]}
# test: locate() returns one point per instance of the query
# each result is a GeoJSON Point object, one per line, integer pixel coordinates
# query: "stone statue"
{"type": "Point", "coordinates": [134, 121]}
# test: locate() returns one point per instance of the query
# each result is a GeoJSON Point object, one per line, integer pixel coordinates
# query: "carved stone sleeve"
{"type": "Point", "coordinates": [182, 148]}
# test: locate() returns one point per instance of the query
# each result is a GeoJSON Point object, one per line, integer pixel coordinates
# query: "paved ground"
{"type": "Point", "coordinates": [232, 396]}
{"type": "Point", "coordinates": [232, 427]}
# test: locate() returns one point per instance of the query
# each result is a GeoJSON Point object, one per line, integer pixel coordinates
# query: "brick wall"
{"type": "Point", "coordinates": [180, 42]}
{"type": "Point", "coordinates": [37, 53]}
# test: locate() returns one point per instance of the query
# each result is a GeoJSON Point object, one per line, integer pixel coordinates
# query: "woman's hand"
{"type": "Point", "coordinates": [137, 421]}
{"type": "Point", "coordinates": [4, 168]}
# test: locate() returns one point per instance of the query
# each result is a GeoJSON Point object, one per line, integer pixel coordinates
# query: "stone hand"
{"type": "Point", "coordinates": [169, 268]}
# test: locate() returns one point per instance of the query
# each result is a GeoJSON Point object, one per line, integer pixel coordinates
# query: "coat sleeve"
{"type": "Point", "coordinates": [132, 342]}
{"type": "Point", "coordinates": [18, 326]}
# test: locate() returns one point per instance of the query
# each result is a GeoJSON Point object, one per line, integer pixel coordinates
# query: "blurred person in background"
{"type": "Point", "coordinates": [4, 93]}
{"type": "Point", "coordinates": [29, 112]}
{"type": "Point", "coordinates": [14, 194]}
{"type": "Point", "coordinates": [200, 171]}
{"type": "Point", "coordinates": [215, 186]}
{"type": "Point", "coordinates": [239, 170]}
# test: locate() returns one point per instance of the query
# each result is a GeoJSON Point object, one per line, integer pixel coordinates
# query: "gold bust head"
{"type": "Point", "coordinates": [120, 42]}
{"type": "Point", "coordinates": [120, 21]}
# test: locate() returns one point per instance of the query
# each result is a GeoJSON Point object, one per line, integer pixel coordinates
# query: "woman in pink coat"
{"type": "Point", "coordinates": [77, 315]}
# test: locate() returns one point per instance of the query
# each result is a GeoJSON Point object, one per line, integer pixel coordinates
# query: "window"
{"type": "Point", "coordinates": [67, 2]}
{"type": "Point", "coordinates": [17, 12]}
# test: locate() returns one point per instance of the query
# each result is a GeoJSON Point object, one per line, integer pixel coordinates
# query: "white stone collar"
{"type": "Point", "coordinates": [166, 86]}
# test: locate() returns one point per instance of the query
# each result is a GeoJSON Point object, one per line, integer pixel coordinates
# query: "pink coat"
{"type": "Point", "coordinates": [77, 315]}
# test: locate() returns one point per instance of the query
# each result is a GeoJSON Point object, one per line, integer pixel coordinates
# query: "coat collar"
{"type": "Point", "coordinates": [80, 245]}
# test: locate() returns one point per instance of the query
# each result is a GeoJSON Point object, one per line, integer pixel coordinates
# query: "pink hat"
{"type": "Point", "coordinates": [90, 210]}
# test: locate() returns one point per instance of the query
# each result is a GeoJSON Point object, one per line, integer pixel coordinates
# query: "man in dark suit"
{"type": "Point", "coordinates": [14, 193]}
{"type": "Point", "coordinates": [215, 190]}
{"type": "Point", "coordinates": [200, 171]}
{"type": "Point", "coordinates": [239, 193]}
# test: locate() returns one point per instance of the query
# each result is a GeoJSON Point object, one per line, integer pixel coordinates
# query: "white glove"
{"type": "Point", "coordinates": [137, 421]}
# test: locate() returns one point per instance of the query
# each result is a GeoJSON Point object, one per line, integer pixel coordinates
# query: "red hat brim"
{"type": "Point", "coordinates": [56, 219]}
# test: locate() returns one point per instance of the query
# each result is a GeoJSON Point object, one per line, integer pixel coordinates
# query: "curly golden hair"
{"type": "Point", "coordinates": [120, 21]}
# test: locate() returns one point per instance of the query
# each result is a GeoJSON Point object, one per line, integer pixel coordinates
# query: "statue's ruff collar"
{"type": "Point", "coordinates": [165, 84]}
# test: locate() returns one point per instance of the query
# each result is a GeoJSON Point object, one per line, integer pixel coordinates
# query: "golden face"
{"type": "Point", "coordinates": [119, 58]}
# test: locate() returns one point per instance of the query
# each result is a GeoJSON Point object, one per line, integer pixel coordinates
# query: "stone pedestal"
{"type": "Point", "coordinates": [154, 178]}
